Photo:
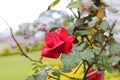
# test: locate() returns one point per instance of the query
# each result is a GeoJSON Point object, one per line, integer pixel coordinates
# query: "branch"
{"type": "Point", "coordinates": [112, 26]}
{"type": "Point", "coordinates": [73, 13]}
{"type": "Point", "coordinates": [89, 66]}
{"type": "Point", "coordinates": [23, 53]}
{"type": "Point", "coordinates": [109, 37]}
{"type": "Point", "coordinates": [53, 77]}
{"type": "Point", "coordinates": [78, 68]}
{"type": "Point", "coordinates": [67, 76]}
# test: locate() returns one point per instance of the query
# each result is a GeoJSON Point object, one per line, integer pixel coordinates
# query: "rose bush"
{"type": "Point", "coordinates": [56, 43]}
{"type": "Point", "coordinates": [92, 46]}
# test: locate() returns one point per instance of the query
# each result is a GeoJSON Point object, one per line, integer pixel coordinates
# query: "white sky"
{"type": "Point", "coordinates": [16, 12]}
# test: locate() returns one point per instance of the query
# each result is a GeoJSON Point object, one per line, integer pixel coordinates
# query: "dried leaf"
{"type": "Point", "coordinates": [53, 29]}
{"type": "Point", "coordinates": [100, 14]}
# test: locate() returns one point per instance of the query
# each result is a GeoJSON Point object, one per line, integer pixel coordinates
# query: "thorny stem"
{"type": "Point", "coordinates": [23, 53]}
{"type": "Point", "coordinates": [73, 13]}
{"type": "Point", "coordinates": [85, 75]}
{"type": "Point", "coordinates": [78, 13]}
{"type": "Point", "coordinates": [89, 66]}
{"type": "Point", "coordinates": [78, 68]}
{"type": "Point", "coordinates": [112, 26]}
{"type": "Point", "coordinates": [110, 34]}
{"type": "Point", "coordinates": [67, 76]}
{"type": "Point", "coordinates": [53, 77]}
{"type": "Point", "coordinates": [84, 66]}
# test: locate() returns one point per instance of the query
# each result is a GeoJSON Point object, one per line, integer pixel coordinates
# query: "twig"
{"type": "Point", "coordinates": [78, 13]}
{"type": "Point", "coordinates": [23, 53]}
{"type": "Point", "coordinates": [84, 66]}
{"type": "Point", "coordinates": [112, 26]}
{"type": "Point", "coordinates": [78, 68]}
{"type": "Point", "coordinates": [89, 66]}
{"type": "Point", "coordinates": [109, 37]}
{"type": "Point", "coordinates": [53, 77]}
{"type": "Point", "coordinates": [73, 13]}
{"type": "Point", "coordinates": [67, 76]}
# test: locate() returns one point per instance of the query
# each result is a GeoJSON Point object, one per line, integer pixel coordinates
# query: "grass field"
{"type": "Point", "coordinates": [17, 67]}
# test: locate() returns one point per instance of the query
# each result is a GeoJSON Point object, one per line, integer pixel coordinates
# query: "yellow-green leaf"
{"type": "Point", "coordinates": [53, 4]}
{"type": "Point", "coordinates": [75, 4]}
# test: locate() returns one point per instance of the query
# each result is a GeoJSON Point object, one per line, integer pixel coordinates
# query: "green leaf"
{"type": "Point", "coordinates": [78, 33]}
{"type": "Point", "coordinates": [53, 4]}
{"type": "Point", "coordinates": [104, 25]}
{"type": "Point", "coordinates": [87, 31]}
{"type": "Point", "coordinates": [114, 48]}
{"type": "Point", "coordinates": [80, 22]}
{"type": "Point", "coordinates": [78, 48]}
{"type": "Point", "coordinates": [70, 61]}
{"type": "Point", "coordinates": [30, 78]}
{"type": "Point", "coordinates": [100, 37]}
{"type": "Point", "coordinates": [115, 59]}
{"type": "Point", "coordinates": [75, 4]}
{"type": "Point", "coordinates": [65, 69]}
{"type": "Point", "coordinates": [111, 41]}
{"type": "Point", "coordinates": [106, 65]}
{"type": "Point", "coordinates": [56, 73]}
{"type": "Point", "coordinates": [41, 75]}
{"type": "Point", "coordinates": [87, 54]}
{"type": "Point", "coordinates": [81, 47]}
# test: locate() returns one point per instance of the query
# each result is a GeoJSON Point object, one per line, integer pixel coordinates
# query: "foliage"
{"type": "Point", "coordinates": [94, 45]}
{"type": "Point", "coordinates": [20, 67]}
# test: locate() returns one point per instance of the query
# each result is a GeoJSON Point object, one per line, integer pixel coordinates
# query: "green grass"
{"type": "Point", "coordinates": [18, 67]}
{"type": "Point", "coordinates": [14, 67]}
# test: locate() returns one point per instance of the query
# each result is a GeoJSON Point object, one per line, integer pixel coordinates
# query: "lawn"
{"type": "Point", "coordinates": [17, 67]}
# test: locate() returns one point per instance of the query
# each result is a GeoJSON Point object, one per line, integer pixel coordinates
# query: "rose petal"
{"type": "Point", "coordinates": [58, 47]}
{"type": "Point", "coordinates": [52, 39]}
{"type": "Point", "coordinates": [63, 34]}
{"type": "Point", "coordinates": [99, 76]}
{"type": "Point", "coordinates": [93, 76]}
{"type": "Point", "coordinates": [53, 52]}
{"type": "Point", "coordinates": [68, 44]}
{"type": "Point", "coordinates": [46, 52]}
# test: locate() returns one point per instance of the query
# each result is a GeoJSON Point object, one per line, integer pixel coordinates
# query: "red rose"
{"type": "Point", "coordinates": [96, 76]}
{"type": "Point", "coordinates": [57, 43]}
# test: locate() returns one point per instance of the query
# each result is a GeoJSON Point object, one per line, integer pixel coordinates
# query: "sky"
{"type": "Point", "coordinates": [16, 12]}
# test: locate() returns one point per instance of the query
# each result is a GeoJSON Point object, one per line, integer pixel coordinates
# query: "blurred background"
{"type": "Point", "coordinates": [30, 21]}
